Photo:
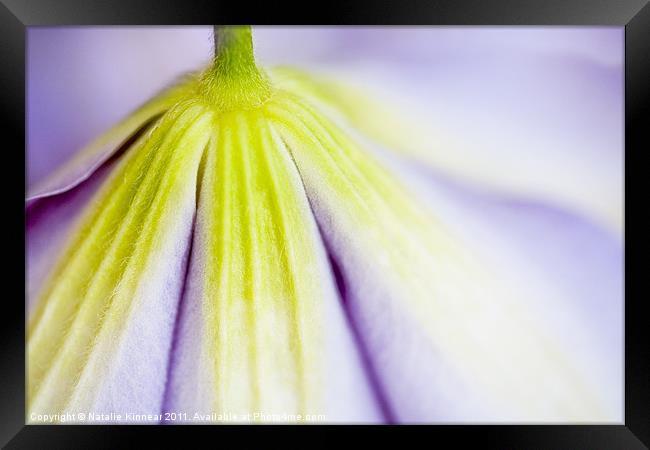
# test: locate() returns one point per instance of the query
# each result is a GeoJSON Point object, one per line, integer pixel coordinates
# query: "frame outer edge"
{"type": "Point", "coordinates": [637, 101]}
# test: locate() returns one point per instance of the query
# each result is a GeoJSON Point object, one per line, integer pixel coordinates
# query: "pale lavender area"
{"type": "Point", "coordinates": [576, 266]}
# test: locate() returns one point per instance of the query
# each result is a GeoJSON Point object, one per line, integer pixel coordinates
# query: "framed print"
{"type": "Point", "coordinates": [414, 218]}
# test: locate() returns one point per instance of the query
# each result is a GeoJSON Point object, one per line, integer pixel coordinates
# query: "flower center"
{"type": "Point", "coordinates": [233, 81]}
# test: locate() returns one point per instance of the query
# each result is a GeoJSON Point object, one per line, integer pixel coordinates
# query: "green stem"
{"type": "Point", "coordinates": [233, 47]}
{"type": "Point", "coordinates": [234, 81]}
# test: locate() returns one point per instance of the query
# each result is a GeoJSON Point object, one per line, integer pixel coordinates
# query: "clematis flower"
{"type": "Point", "coordinates": [261, 244]}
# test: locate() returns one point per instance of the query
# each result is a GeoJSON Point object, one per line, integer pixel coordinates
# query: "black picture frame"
{"type": "Point", "coordinates": [16, 15]}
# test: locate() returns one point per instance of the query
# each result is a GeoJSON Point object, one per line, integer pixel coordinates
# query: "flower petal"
{"type": "Point", "coordinates": [49, 224]}
{"type": "Point", "coordinates": [99, 338]}
{"type": "Point", "coordinates": [531, 110]}
{"type": "Point", "coordinates": [261, 331]}
{"type": "Point", "coordinates": [454, 333]}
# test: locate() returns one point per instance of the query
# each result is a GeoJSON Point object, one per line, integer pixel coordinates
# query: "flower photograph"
{"type": "Point", "coordinates": [322, 225]}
